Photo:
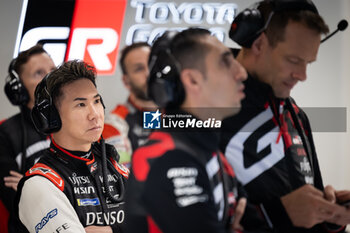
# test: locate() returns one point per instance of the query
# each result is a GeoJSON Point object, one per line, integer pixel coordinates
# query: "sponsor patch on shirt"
{"type": "Point", "coordinates": [186, 190]}
{"type": "Point", "coordinates": [87, 201]}
{"type": "Point", "coordinates": [45, 220]}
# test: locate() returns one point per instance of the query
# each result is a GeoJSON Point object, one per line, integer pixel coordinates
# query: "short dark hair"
{"type": "Point", "coordinates": [67, 73]}
{"type": "Point", "coordinates": [275, 31]}
{"type": "Point", "coordinates": [126, 50]}
{"type": "Point", "coordinates": [24, 56]}
{"type": "Point", "coordinates": [189, 50]}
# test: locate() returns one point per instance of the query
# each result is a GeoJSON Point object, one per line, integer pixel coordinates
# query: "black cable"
{"type": "Point", "coordinates": [24, 141]}
{"type": "Point", "coordinates": [121, 185]}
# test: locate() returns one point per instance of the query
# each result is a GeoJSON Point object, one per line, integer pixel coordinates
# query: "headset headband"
{"type": "Point", "coordinates": [250, 23]}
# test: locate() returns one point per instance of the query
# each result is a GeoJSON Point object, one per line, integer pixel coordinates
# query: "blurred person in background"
{"type": "Point", "coordinates": [124, 125]}
{"type": "Point", "coordinates": [20, 143]}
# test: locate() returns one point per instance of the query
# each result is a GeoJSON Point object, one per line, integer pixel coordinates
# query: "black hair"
{"type": "Point", "coordinates": [275, 31]}
{"type": "Point", "coordinates": [188, 48]}
{"type": "Point", "coordinates": [67, 73]}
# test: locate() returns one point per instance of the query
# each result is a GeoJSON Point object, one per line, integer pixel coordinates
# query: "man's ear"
{"type": "Point", "coordinates": [259, 44]}
{"type": "Point", "coordinates": [192, 80]}
{"type": "Point", "coordinates": [126, 81]}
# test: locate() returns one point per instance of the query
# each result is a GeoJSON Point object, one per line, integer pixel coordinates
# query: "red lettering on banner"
{"type": "Point", "coordinates": [95, 33]}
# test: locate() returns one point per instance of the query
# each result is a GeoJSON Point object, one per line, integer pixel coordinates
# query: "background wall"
{"type": "Point", "coordinates": [328, 83]}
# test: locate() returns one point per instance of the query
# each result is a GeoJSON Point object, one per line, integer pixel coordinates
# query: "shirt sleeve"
{"type": "Point", "coordinates": [42, 206]}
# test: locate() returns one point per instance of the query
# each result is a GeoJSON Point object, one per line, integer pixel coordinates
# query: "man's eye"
{"type": "Point", "coordinates": [227, 61]}
{"type": "Point", "coordinates": [40, 73]}
{"type": "Point", "coordinates": [81, 105]}
{"type": "Point", "coordinates": [139, 69]}
{"type": "Point", "coordinates": [97, 101]}
{"type": "Point", "coordinates": [293, 60]}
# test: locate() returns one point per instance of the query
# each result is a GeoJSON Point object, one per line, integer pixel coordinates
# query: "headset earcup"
{"type": "Point", "coordinates": [158, 92]}
{"type": "Point", "coordinates": [16, 92]}
{"type": "Point", "coordinates": [14, 88]}
{"type": "Point", "coordinates": [246, 27]}
{"type": "Point", "coordinates": [164, 85]}
{"type": "Point", "coordinates": [44, 114]}
{"type": "Point", "coordinates": [46, 117]}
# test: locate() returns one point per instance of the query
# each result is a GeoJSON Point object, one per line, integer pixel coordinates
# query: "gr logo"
{"type": "Point", "coordinates": [94, 43]}
{"type": "Point", "coordinates": [87, 30]}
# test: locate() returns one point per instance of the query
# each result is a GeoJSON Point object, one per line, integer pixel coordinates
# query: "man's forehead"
{"type": "Point", "coordinates": [136, 51]}
{"type": "Point", "coordinates": [36, 59]}
{"type": "Point", "coordinates": [81, 88]}
{"type": "Point", "coordinates": [215, 45]}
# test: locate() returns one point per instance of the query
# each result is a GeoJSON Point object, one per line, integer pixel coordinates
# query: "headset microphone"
{"type": "Point", "coordinates": [342, 25]}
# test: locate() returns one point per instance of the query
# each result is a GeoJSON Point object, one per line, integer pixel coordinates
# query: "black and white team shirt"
{"type": "Point", "coordinates": [64, 191]}
{"type": "Point", "coordinates": [268, 155]}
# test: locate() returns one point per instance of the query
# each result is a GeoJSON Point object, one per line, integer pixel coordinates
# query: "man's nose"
{"type": "Point", "coordinates": [240, 72]}
{"type": "Point", "coordinates": [93, 111]}
{"type": "Point", "coordinates": [300, 74]}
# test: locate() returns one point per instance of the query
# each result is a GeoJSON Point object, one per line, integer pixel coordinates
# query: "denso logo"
{"type": "Point", "coordinates": [81, 45]}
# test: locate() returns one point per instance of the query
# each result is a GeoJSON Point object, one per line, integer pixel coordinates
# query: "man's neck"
{"type": "Point", "coordinates": [250, 63]}
{"type": "Point", "coordinates": [142, 104]}
{"type": "Point", "coordinates": [202, 112]}
{"type": "Point", "coordinates": [246, 60]}
{"type": "Point", "coordinates": [66, 143]}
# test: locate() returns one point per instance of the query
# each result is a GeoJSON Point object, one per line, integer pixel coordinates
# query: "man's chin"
{"type": "Point", "coordinates": [228, 112]}
{"type": "Point", "coordinates": [236, 110]}
{"type": "Point", "coordinates": [282, 94]}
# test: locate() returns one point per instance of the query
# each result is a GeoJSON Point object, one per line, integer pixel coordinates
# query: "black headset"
{"type": "Point", "coordinates": [250, 23]}
{"type": "Point", "coordinates": [44, 113]}
{"type": "Point", "coordinates": [164, 85]}
{"type": "Point", "coordinates": [14, 88]}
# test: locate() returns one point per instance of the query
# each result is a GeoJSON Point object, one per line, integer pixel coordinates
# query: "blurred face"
{"type": "Point", "coordinates": [34, 71]}
{"type": "Point", "coordinates": [223, 87]}
{"type": "Point", "coordinates": [136, 64]}
{"type": "Point", "coordinates": [285, 65]}
{"type": "Point", "coordinates": [82, 116]}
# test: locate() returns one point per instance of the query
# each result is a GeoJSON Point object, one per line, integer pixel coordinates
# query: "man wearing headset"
{"type": "Point", "coordinates": [20, 143]}
{"type": "Point", "coordinates": [269, 143]}
{"type": "Point", "coordinates": [123, 126]}
{"type": "Point", "coordinates": [179, 180]}
{"type": "Point", "coordinates": [77, 185]}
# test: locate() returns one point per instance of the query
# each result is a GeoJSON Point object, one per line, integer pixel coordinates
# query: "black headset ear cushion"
{"type": "Point", "coordinates": [164, 84]}
{"type": "Point", "coordinates": [45, 117]}
{"type": "Point", "coordinates": [246, 27]}
{"type": "Point", "coordinates": [14, 88]}
{"type": "Point", "coordinates": [39, 117]}
{"type": "Point", "coordinates": [44, 114]}
{"type": "Point", "coordinates": [159, 93]}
